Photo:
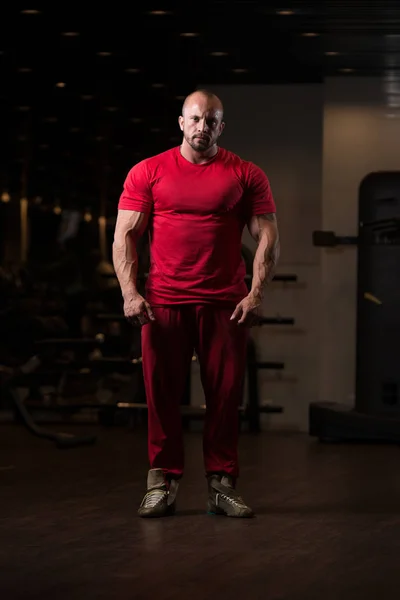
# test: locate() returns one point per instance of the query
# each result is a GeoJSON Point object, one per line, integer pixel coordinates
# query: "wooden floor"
{"type": "Point", "coordinates": [327, 525]}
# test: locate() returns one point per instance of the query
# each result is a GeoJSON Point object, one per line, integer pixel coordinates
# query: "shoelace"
{"type": "Point", "coordinates": [153, 497]}
{"type": "Point", "coordinates": [236, 502]}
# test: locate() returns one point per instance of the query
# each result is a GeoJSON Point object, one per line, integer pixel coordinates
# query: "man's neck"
{"type": "Point", "coordinates": [196, 157]}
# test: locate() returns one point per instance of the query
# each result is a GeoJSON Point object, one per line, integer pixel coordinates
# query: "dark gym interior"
{"type": "Point", "coordinates": [312, 93]}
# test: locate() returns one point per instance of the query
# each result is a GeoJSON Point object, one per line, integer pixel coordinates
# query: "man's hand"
{"type": "Point", "coordinates": [247, 311]}
{"type": "Point", "coordinates": [137, 311]}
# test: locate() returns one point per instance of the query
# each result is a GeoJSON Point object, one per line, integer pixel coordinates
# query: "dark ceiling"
{"type": "Point", "coordinates": [87, 93]}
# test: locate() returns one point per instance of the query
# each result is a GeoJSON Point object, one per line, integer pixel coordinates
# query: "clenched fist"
{"type": "Point", "coordinates": [137, 310]}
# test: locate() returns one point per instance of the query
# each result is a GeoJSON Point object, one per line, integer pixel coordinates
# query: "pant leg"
{"type": "Point", "coordinates": [221, 349]}
{"type": "Point", "coordinates": [167, 350]}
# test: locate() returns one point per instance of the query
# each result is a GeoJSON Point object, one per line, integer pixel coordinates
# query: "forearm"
{"type": "Point", "coordinates": [129, 227]}
{"type": "Point", "coordinates": [265, 262]}
{"type": "Point", "coordinates": [125, 260]}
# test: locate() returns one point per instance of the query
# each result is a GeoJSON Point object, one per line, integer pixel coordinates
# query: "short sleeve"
{"type": "Point", "coordinates": [258, 194]}
{"type": "Point", "coordinates": [136, 194]}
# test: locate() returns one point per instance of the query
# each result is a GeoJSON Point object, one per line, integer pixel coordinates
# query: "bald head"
{"type": "Point", "coordinates": [201, 121]}
{"type": "Point", "coordinates": [203, 97]}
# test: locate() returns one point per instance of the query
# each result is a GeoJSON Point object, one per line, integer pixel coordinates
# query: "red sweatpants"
{"type": "Point", "coordinates": [167, 350]}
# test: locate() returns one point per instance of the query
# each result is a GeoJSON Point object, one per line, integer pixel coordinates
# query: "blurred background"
{"type": "Point", "coordinates": [311, 94]}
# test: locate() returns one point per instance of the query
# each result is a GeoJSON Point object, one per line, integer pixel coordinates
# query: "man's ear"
{"type": "Point", "coordinates": [180, 121]}
{"type": "Point", "coordinates": [221, 127]}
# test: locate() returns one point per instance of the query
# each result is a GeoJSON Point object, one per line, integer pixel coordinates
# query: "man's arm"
{"type": "Point", "coordinates": [264, 230]}
{"type": "Point", "coordinates": [129, 227]}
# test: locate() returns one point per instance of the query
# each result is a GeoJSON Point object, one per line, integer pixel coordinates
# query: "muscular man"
{"type": "Point", "coordinates": [195, 201]}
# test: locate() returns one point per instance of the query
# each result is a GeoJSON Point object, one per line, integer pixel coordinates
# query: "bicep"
{"type": "Point", "coordinates": [137, 194]}
{"type": "Point", "coordinates": [266, 224]}
{"type": "Point", "coordinates": [258, 194]}
{"type": "Point", "coordinates": [130, 223]}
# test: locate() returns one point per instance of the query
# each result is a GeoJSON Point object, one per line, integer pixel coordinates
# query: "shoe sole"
{"type": "Point", "coordinates": [170, 511]}
{"type": "Point", "coordinates": [223, 514]}
{"type": "Point", "coordinates": [219, 512]}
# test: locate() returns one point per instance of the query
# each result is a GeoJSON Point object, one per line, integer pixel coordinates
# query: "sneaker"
{"type": "Point", "coordinates": [159, 500]}
{"type": "Point", "coordinates": [223, 499]}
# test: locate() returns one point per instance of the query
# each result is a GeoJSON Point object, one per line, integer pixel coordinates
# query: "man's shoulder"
{"type": "Point", "coordinates": [237, 162]}
{"type": "Point", "coordinates": [230, 157]}
{"type": "Point", "coordinates": [151, 163]}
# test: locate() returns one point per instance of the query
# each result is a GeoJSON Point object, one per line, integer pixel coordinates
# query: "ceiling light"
{"type": "Point", "coordinates": [180, 97]}
{"type": "Point", "coordinates": [285, 12]}
{"type": "Point", "coordinates": [136, 120]}
{"type": "Point", "coordinates": [43, 146]}
{"type": "Point", "coordinates": [157, 85]}
{"type": "Point", "coordinates": [70, 33]}
{"type": "Point", "coordinates": [104, 53]}
{"type": "Point", "coordinates": [5, 197]}
{"type": "Point", "coordinates": [310, 34]}
{"type": "Point", "coordinates": [24, 70]}
{"type": "Point", "coordinates": [23, 108]}
{"type": "Point", "coordinates": [159, 13]}
{"type": "Point", "coordinates": [112, 108]}
{"type": "Point", "coordinates": [60, 84]}
{"type": "Point", "coordinates": [30, 12]}
{"type": "Point", "coordinates": [189, 35]}
{"type": "Point", "coordinates": [132, 70]}
{"type": "Point", "coordinates": [155, 130]}
{"type": "Point", "coordinates": [74, 130]}
{"type": "Point", "coordinates": [331, 53]}
{"type": "Point", "coordinates": [240, 70]}
{"type": "Point", "coordinates": [346, 70]}
{"type": "Point", "coordinates": [218, 53]}
{"type": "Point", "coordinates": [87, 97]}
{"type": "Point", "coordinates": [50, 119]}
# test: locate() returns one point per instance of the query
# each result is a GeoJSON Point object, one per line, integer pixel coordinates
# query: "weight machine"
{"type": "Point", "coordinates": [376, 413]}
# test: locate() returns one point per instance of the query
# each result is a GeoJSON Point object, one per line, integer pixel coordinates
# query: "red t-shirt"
{"type": "Point", "coordinates": [197, 216]}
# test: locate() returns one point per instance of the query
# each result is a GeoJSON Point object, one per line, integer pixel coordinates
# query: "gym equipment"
{"type": "Point", "coordinates": [376, 413]}
{"type": "Point", "coordinates": [58, 358]}
{"type": "Point", "coordinates": [62, 440]}
{"type": "Point", "coordinates": [328, 239]}
{"type": "Point", "coordinates": [24, 356]}
{"type": "Point", "coordinates": [250, 413]}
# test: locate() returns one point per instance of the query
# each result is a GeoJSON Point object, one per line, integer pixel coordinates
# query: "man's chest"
{"type": "Point", "coordinates": [198, 192]}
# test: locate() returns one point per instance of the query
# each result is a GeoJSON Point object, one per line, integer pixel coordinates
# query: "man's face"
{"type": "Point", "coordinates": [201, 124]}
